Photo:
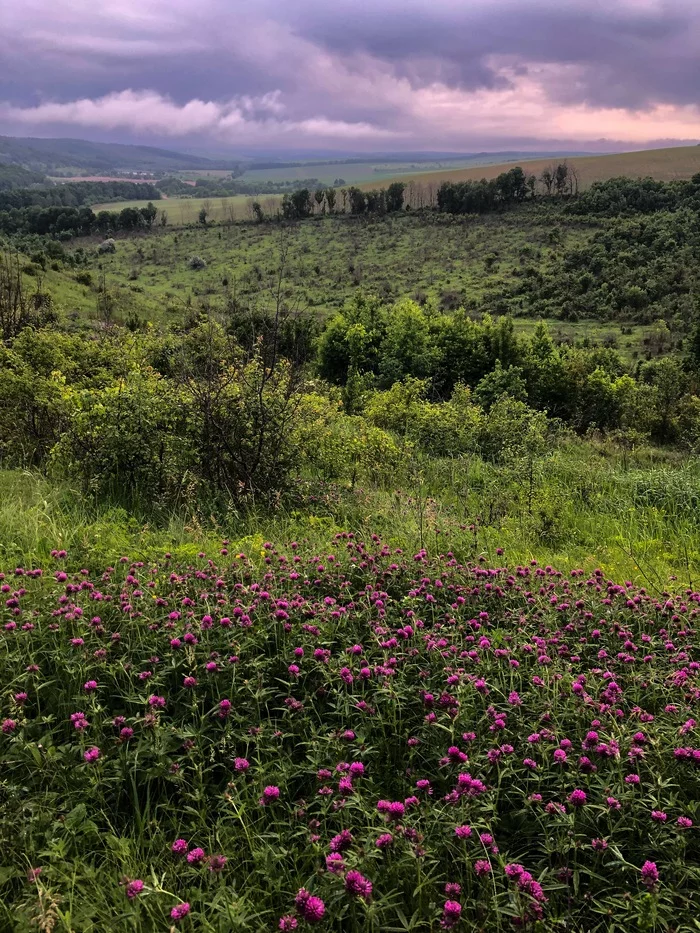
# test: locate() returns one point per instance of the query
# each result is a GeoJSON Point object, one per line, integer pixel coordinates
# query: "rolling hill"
{"type": "Point", "coordinates": [57, 155]}
{"type": "Point", "coordinates": [663, 164]}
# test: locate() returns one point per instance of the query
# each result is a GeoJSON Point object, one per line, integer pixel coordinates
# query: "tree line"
{"type": "Point", "coordinates": [77, 194]}
{"type": "Point", "coordinates": [64, 223]}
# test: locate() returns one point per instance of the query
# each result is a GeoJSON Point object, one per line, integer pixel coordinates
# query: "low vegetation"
{"type": "Point", "coordinates": [460, 695]}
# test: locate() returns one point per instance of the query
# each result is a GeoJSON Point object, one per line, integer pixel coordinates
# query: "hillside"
{"type": "Point", "coordinates": [663, 164]}
{"type": "Point", "coordinates": [56, 155]}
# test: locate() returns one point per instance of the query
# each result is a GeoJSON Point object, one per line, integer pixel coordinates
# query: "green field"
{"type": "Point", "coordinates": [183, 211]}
{"type": "Point", "coordinates": [474, 262]}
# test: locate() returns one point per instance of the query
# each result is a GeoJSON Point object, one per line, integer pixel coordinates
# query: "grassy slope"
{"type": "Point", "coordinates": [395, 257]}
{"type": "Point", "coordinates": [664, 164]}
{"type": "Point", "coordinates": [590, 506]}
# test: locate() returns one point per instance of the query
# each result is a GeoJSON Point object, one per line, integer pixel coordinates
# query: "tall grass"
{"type": "Point", "coordinates": [634, 516]}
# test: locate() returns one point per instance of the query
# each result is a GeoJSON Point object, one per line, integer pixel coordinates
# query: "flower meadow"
{"type": "Point", "coordinates": [353, 739]}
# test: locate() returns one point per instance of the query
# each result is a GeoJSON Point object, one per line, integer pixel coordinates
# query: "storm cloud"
{"type": "Point", "coordinates": [426, 74]}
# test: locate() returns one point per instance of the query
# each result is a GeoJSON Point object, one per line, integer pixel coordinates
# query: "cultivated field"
{"type": "Point", "coordinates": [663, 164]}
{"type": "Point", "coordinates": [183, 211]}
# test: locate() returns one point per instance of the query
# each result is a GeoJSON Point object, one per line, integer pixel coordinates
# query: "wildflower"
{"type": "Point", "coordinates": [92, 754]}
{"type": "Point", "coordinates": [482, 867]}
{"type": "Point", "coordinates": [287, 923]}
{"type": "Point", "coordinates": [241, 764]}
{"type": "Point", "coordinates": [269, 795]}
{"type": "Point", "coordinates": [310, 907]}
{"type": "Point", "coordinates": [335, 863]}
{"type": "Point", "coordinates": [196, 856]}
{"type": "Point", "coordinates": [179, 847]}
{"type": "Point", "coordinates": [357, 885]}
{"type": "Point", "coordinates": [189, 682]}
{"type": "Point", "coordinates": [8, 725]}
{"type": "Point", "coordinates": [452, 889]}
{"type": "Point", "coordinates": [180, 911]}
{"type": "Point", "coordinates": [90, 686]}
{"type": "Point", "coordinates": [386, 840]}
{"type": "Point", "coordinates": [156, 702]}
{"type": "Point", "coordinates": [342, 841]}
{"type": "Point", "coordinates": [650, 874]}
{"type": "Point", "coordinates": [451, 913]}
{"type": "Point", "coordinates": [217, 863]}
{"type": "Point", "coordinates": [658, 816]}
{"type": "Point", "coordinates": [599, 845]}
{"type": "Point", "coordinates": [684, 822]}
{"type": "Point", "coordinates": [134, 888]}
{"type": "Point", "coordinates": [577, 798]}
{"type": "Point", "coordinates": [463, 832]}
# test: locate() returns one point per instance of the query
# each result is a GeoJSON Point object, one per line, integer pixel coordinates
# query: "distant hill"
{"type": "Point", "coordinates": [15, 176]}
{"type": "Point", "coordinates": [55, 156]}
{"type": "Point", "coordinates": [662, 164]}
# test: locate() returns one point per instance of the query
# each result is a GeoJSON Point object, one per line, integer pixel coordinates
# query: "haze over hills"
{"type": "Point", "coordinates": [51, 155]}
{"type": "Point", "coordinates": [60, 155]}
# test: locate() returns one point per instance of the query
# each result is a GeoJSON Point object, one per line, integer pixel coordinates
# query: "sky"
{"type": "Point", "coordinates": [354, 75]}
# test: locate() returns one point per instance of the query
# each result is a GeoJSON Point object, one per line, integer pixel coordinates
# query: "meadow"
{"type": "Point", "coordinates": [351, 737]}
{"type": "Point", "coordinates": [477, 262]}
{"type": "Point", "coordinates": [339, 589]}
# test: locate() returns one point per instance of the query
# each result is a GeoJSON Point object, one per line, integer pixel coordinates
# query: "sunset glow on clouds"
{"type": "Point", "coordinates": [414, 75]}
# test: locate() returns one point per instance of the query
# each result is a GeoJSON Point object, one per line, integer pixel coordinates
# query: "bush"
{"type": "Point", "coordinates": [107, 246]}
{"type": "Point", "coordinates": [196, 262]}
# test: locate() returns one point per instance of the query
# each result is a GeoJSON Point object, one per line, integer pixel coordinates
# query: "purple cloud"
{"type": "Point", "coordinates": [383, 73]}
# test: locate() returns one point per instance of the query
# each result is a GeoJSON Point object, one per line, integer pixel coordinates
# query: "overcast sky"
{"type": "Point", "coordinates": [354, 74]}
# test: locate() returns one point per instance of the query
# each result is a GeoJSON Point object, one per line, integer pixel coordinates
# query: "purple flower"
{"type": "Point", "coordinates": [341, 842]}
{"type": "Point", "coordinates": [180, 911]}
{"type": "Point", "coordinates": [156, 702]}
{"type": "Point", "coordinates": [92, 754]}
{"type": "Point", "coordinates": [463, 832]}
{"type": "Point", "coordinates": [577, 798]}
{"type": "Point", "coordinates": [357, 885]}
{"type": "Point", "coordinates": [650, 874]}
{"type": "Point", "coordinates": [386, 840]}
{"type": "Point", "coordinates": [217, 862]}
{"type": "Point", "coordinates": [90, 686]}
{"type": "Point", "coordinates": [287, 923]}
{"type": "Point", "coordinates": [196, 856]}
{"type": "Point", "coordinates": [451, 913]}
{"type": "Point", "coordinates": [310, 907]}
{"type": "Point", "coordinates": [482, 867]}
{"type": "Point", "coordinates": [241, 764]}
{"type": "Point", "coordinates": [179, 847]}
{"type": "Point", "coordinates": [269, 795]}
{"type": "Point", "coordinates": [134, 888]}
{"type": "Point", "coordinates": [8, 725]}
